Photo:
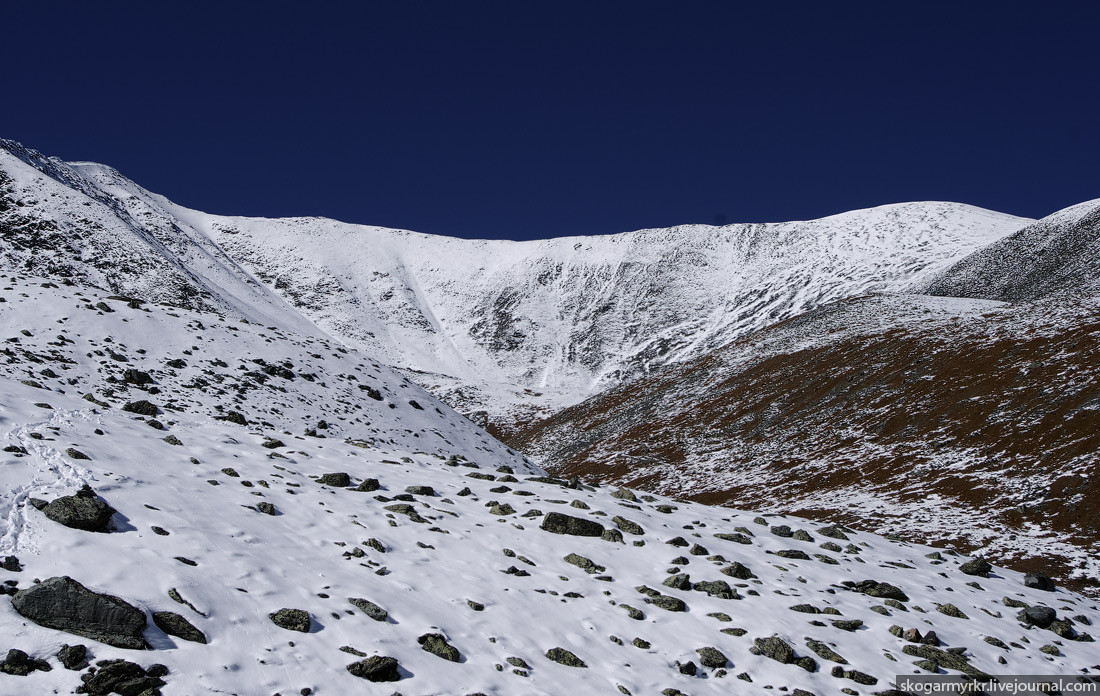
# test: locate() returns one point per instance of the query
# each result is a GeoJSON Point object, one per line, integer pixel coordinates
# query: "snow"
{"type": "Point", "coordinates": [250, 564]}
{"type": "Point", "coordinates": [502, 326]}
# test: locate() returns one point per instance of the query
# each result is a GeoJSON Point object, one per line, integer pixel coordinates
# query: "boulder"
{"type": "Point", "coordinates": [337, 479]}
{"type": "Point", "coordinates": [64, 604]}
{"type": "Point", "coordinates": [560, 523]}
{"type": "Point", "coordinates": [120, 677]}
{"type": "Point", "coordinates": [369, 608]}
{"type": "Point", "coordinates": [976, 566]}
{"type": "Point", "coordinates": [176, 625]}
{"type": "Point", "coordinates": [564, 657]}
{"type": "Point", "coordinates": [1037, 616]}
{"type": "Point", "coordinates": [1037, 581]}
{"type": "Point", "coordinates": [291, 619]}
{"type": "Point", "coordinates": [81, 511]}
{"type": "Point", "coordinates": [380, 668]}
{"type": "Point", "coordinates": [436, 644]}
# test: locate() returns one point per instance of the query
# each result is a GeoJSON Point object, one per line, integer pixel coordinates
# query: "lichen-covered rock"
{"type": "Point", "coordinates": [291, 619]}
{"type": "Point", "coordinates": [141, 407]}
{"type": "Point", "coordinates": [824, 651]}
{"type": "Point", "coordinates": [20, 664]}
{"type": "Point", "coordinates": [560, 523]}
{"type": "Point", "coordinates": [73, 657]}
{"type": "Point", "coordinates": [712, 658]}
{"type": "Point", "coordinates": [369, 608]}
{"type": "Point", "coordinates": [338, 479]}
{"type": "Point", "coordinates": [64, 604]}
{"type": "Point", "coordinates": [81, 511]}
{"type": "Point", "coordinates": [775, 648]}
{"type": "Point", "coordinates": [882, 590]}
{"type": "Point", "coordinates": [121, 677]}
{"type": "Point", "coordinates": [627, 526]}
{"type": "Point", "coordinates": [564, 657]}
{"type": "Point", "coordinates": [976, 566]}
{"type": "Point", "coordinates": [379, 668]}
{"type": "Point", "coordinates": [436, 644]}
{"type": "Point", "coordinates": [176, 625]}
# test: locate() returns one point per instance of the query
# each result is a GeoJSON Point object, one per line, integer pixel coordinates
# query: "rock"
{"type": "Point", "coordinates": [613, 535]}
{"type": "Point", "coordinates": [668, 603]}
{"type": "Point", "coordinates": [502, 509]}
{"type": "Point", "coordinates": [716, 588]}
{"type": "Point", "coordinates": [138, 377]}
{"type": "Point", "coordinates": [176, 625]}
{"type": "Point", "coordinates": [64, 604]}
{"type": "Point", "coordinates": [627, 526]}
{"type": "Point", "coordinates": [801, 535]}
{"type": "Point", "coordinates": [380, 668]}
{"type": "Point", "coordinates": [1039, 616]}
{"type": "Point", "coordinates": [420, 490]}
{"type": "Point", "coordinates": [1039, 582]}
{"type": "Point", "coordinates": [273, 443]}
{"type": "Point", "coordinates": [120, 677]}
{"type": "Point", "coordinates": [625, 494]}
{"type": "Point", "coordinates": [437, 644]}
{"type": "Point", "coordinates": [944, 659]}
{"type": "Point", "coordinates": [560, 523]}
{"type": "Point", "coordinates": [951, 610]}
{"type": "Point", "coordinates": [782, 531]}
{"type": "Point", "coordinates": [711, 658]}
{"type": "Point", "coordinates": [141, 408]}
{"type": "Point", "coordinates": [266, 508]}
{"type": "Point", "coordinates": [291, 619]}
{"type": "Point", "coordinates": [585, 564]}
{"type": "Point", "coordinates": [74, 657]}
{"type": "Point", "coordinates": [736, 570]}
{"type": "Point", "coordinates": [235, 417]}
{"type": "Point", "coordinates": [824, 651]}
{"type": "Point", "coordinates": [74, 453]}
{"type": "Point", "coordinates": [976, 566]}
{"type": "Point", "coordinates": [793, 554]}
{"type": "Point", "coordinates": [337, 479]}
{"type": "Point", "coordinates": [370, 608]}
{"type": "Point", "coordinates": [848, 624]}
{"type": "Point", "coordinates": [564, 657]}
{"type": "Point", "coordinates": [775, 648]}
{"type": "Point", "coordinates": [679, 581]}
{"type": "Point", "coordinates": [20, 664]}
{"type": "Point", "coordinates": [368, 485]}
{"type": "Point", "coordinates": [882, 590]}
{"type": "Point", "coordinates": [90, 514]}
{"type": "Point", "coordinates": [690, 669]}
{"type": "Point", "coordinates": [833, 532]}
{"type": "Point", "coordinates": [11, 564]}
{"type": "Point", "coordinates": [408, 510]}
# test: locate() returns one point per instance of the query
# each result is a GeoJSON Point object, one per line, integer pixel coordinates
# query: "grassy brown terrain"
{"type": "Point", "coordinates": [978, 428]}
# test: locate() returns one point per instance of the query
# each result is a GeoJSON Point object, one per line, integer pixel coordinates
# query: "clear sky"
{"type": "Point", "coordinates": [528, 119]}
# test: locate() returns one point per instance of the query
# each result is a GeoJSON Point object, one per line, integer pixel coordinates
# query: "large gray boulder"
{"type": "Point", "coordinates": [559, 523]}
{"type": "Point", "coordinates": [64, 604]}
{"type": "Point", "coordinates": [85, 511]}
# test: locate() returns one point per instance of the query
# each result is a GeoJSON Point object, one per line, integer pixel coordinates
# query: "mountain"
{"type": "Point", "coordinates": [511, 329]}
{"type": "Point", "coordinates": [149, 539]}
{"type": "Point", "coordinates": [1058, 254]}
{"type": "Point", "coordinates": [947, 420]}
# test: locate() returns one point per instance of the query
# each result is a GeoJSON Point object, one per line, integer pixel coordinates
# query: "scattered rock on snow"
{"type": "Point", "coordinates": [64, 604]}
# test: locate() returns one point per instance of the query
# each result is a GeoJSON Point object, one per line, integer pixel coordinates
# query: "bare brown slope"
{"type": "Point", "coordinates": [979, 428]}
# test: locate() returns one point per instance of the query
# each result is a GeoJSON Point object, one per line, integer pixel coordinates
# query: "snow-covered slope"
{"type": "Point", "coordinates": [1058, 254]}
{"type": "Point", "coordinates": [494, 325]}
{"type": "Point", "coordinates": [223, 527]}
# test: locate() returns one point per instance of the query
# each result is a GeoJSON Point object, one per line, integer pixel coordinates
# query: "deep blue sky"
{"type": "Point", "coordinates": [525, 119]}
